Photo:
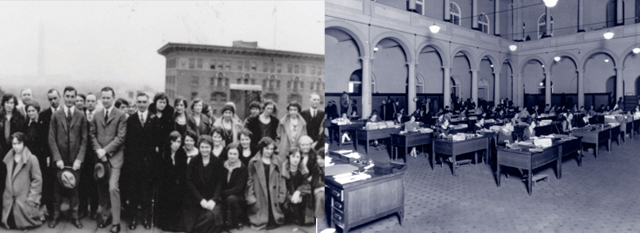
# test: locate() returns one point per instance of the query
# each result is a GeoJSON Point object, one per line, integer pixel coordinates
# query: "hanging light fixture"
{"type": "Point", "coordinates": [550, 3]}
{"type": "Point", "coordinates": [434, 28]}
{"type": "Point", "coordinates": [557, 58]}
{"type": "Point", "coordinates": [608, 35]}
{"type": "Point", "coordinates": [513, 47]}
{"type": "Point", "coordinates": [636, 50]}
{"type": "Point", "coordinates": [375, 49]}
{"type": "Point", "coordinates": [606, 60]}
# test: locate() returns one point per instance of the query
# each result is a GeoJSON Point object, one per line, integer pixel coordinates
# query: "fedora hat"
{"type": "Point", "coordinates": [68, 178]}
{"type": "Point", "coordinates": [101, 171]}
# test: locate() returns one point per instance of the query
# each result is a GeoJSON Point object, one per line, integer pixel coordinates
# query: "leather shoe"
{"type": "Point", "coordinates": [104, 223]}
{"type": "Point", "coordinates": [146, 223]}
{"type": "Point", "coordinates": [133, 224]}
{"type": "Point", "coordinates": [115, 228]}
{"type": "Point", "coordinates": [54, 222]}
{"type": "Point", "coordinates": [76, 222]}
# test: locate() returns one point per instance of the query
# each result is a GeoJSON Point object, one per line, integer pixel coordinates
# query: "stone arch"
{"type": "Point", "coordinates": [348, 28]}
{"type": "Point", "coordinates": [573, 58]}
{"type": "Point", "coordinates": [537, 58]}
{"type": "Point", "coordinates": [444, 57]}
{"type": "Point", "coordinates": [398, 38]}
{"type": "Point", "coordinates": [608, 52]}
{"type": "Point", "coordinates": [470, 56]}
{"type": "Point", "coordinates": [492, 59]}
{"type": "Point", "coordinates": [628, 52]}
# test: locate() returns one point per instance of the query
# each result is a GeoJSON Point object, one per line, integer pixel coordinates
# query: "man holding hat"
{"type": "Point", "coordinates": [108, 130]}
{"type": "Point", "coordinates": [68, 143]}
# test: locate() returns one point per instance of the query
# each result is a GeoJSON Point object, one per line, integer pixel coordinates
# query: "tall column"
{"type": "Point", "coordinates": [447, 87]}
{"type": "Point", "coordinates": [619, 78]}
{"type": "Point", "coordinates": [496, 86]}
{"type": "Point", "coordinates": [548, 21]}
{"type": "Point", "coordinates": [366, 86]}
{"type": "Point", "coordinates": [517, 90]}
{"type": "Point", "coordinates": [547, 87]}
{"type": "Point", "coordinates": [580, 15]}
{"type": "Point", "coordinates": [474, 86]}
{"type": "Point", "coordinates": [580, 87]}
{"type": "Point", "coordinates": [474, 14]}
{"type": "Point", "coordinates": [619, 14]}
{"type": "Point", "coordinates": [447, 9]}
{"type": "Point", "coordinates": [496, 18]}
{"type": "Point", "coordinates": [411, 88]}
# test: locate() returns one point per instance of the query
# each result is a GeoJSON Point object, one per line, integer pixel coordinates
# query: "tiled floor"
{"type": "Point", "coordinates": [601, 196]}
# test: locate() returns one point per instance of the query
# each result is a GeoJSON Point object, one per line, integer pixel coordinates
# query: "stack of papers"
{"type": "Point", "coordinates": [348, 177]}
{"type": "Point", "coordinates": [353, 155]}
{"type": "Point", "coordinates": [343, 152]}
{"type": "Point", "coordinates": [327, 162]}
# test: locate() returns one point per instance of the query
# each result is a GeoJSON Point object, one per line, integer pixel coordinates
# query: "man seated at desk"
{"type": "Point", "coordinates": [529, 131]}
{"type": "Point", "coordinates": [398, 119]}
{"type": "Point", "coordinates": [500, 115]}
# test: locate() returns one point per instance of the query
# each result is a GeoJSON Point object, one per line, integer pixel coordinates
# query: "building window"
{"type": "Point", "coordinates": [220, 76]}
{"type": "Point", "coordinates": [542, 25]}
{"type": "Point", "coordinates": [227, 65]}
{"type": "Point", "coordinates": [199, 65]}
{"type": "Point", "coordinates": [289, 84]}
{"type": "Point", "coordinates": [265, 67]}
{"type": "Point", "coordinates": [226, 82]}
{"type": "Point", "coordinates": [279, 68]}
{"type": "Point", "coordinates": [290, 68]}
{"type": "Point", "coordinates": [272, 81]}
{"type": "Point", "coordinates": [246, 78]}
{"type": "Point", "coordinates": [194, 95]}
{"type": "Point", "coordinates": [192, 63]}
{"type": "Point", "coordinates": [220, 64]}
{"type": "Point", "coordinates": [320, 69]}
{"type": "Point", "coordinates": [212, 81]}
{"type": "Point", "coordinates": [303, 69]}
{"type": "Point", "coordinates": [239, 81]}
{"type": "Point", "coordinates": [272, 67]}
{"type": "Point", "coordinates": [171, 63]}
{"type": "Point", "coordinates": [313, 70]}
{"type": "Point", "coordinates": [254, 66]}
{"type": "Point", "coordinates": [195, 81]}
{"type": "Point", "coordinates": [296, 69]}
{"type": "Point", "coordinates": [223, 97]}
{"type": "Point", "coordinates": [319, 82]}
{"type": "Point", "coordinates": [455, 13]}
{"type": "Point", "coordinates": [214, 97]}
{"type": "Point", "coordinates": [483, 23]}
{"type": "Point", "coordinates": [240, 65]}
{"type": "Point", "coordinates": [212, 64]}
{"type": "Point", "coordinates": [253, 82]}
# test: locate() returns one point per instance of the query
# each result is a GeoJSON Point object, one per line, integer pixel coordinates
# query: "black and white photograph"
{"type": "Point", "coordinates": [162, 116]}
{"type": "Point", "coordinates": [482, 116]}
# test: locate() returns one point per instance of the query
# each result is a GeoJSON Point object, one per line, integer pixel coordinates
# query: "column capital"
{"type": "Point", "coordinates": [580, 71]}
{"type": "Point", "coordinates": [446, 67]}
{"type": "Point", "coordinates": [496, 73]}
{"type": "Point", "coordinates": [412, 63]}
{"type": "Point", "coordinates": [474, 70]}
{"type": "Point", "coordinates": [366, 58]}
{"type": "Point", "coordinates": [621, 67]}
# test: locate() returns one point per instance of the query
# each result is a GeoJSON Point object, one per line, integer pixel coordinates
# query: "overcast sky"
{"type": "Point", "coordinates": [119, 40]}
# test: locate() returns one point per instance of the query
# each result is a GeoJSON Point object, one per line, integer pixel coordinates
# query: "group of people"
{"type": "Point", "coordinates": [176, 166]}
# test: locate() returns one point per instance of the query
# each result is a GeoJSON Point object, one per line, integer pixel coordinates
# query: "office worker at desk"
{"type": "Point", "coordinates": [409, 126]}
{"type": "Point", "coordinates": [442, 131]}
{"type": "Point", "coordinates": [398, 119]}
{"type": "Point", "coordinates": [567, 123]}
{"type": "Point", "coordinates": [530, 131]}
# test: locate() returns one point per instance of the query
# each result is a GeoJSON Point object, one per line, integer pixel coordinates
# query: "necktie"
{"type": "Point", "coordinates": [142, 118]}
{"type": "Point", "coordinates": [106, 116]}
{"type": "Point", "coordinates": [7, 129]}
{"type": "Point", "coordinates": [313, 113]}
{"type": "Point", "coordinates": [90, 115]}
{"type": "Point", "coordinates": [68, 115]}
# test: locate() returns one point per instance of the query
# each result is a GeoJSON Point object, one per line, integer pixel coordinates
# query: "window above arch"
{"type": "Point", "coordinates": [456, 13]}
{"type": "Point", "coordinates": [483, 23]}
{"type": "Point", "coordinates": [542, 25]}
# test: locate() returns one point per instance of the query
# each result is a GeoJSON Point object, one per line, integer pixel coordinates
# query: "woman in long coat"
{"type": "Point", "coordinates": [230, 125]}
{"type": "Point", "coordinates": [173, 179]}
{"type": "Point", "coordinates": [264, 204]}
{"type": "Point", "coordinates": [183, 122]}
{"type": "Point", "coordinates": [203, 123]}
{"type": "Point", "coordinates": [202, 212]}
{"type": "Point", "coordinates": [298, 206]}
{"type": "Point", "coordinates": [23, 187]}
{"type": "Point", "coordinates": [234, 185]}
{"type": "Point", "coordinates": [291, 128]}
{"type": "Point", "coordinates": [162, 115]}
{"type": "Point", "coordinates": [265, 124]}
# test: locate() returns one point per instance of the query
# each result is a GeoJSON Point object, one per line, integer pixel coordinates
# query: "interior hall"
{"type": "Point", "coordinates": [482, 115]}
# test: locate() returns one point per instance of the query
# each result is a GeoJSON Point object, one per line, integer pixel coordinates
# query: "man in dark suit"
{"type": "Point", "coordinates": [108, 131]}
{"type": "Point", "coordinates": [314, 118]}
{"type": "Point", "coordinates": [67, 142]}
{"type": "Point", "coordinates": [139, 153]}
{"type": "Point", "coordinates": [88, 189]}
{"type": "Point", "coordinates": [53, 96]}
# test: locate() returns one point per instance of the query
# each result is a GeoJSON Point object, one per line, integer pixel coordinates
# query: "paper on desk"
{"type": "Point", "coordinates": [352, 178]}
{"type": "Point", "coordinates": [353, 155]}
{"type": "Point", "coordinates": [343, 151]}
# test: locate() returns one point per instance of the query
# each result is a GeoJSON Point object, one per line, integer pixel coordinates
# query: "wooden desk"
{"type": "Point", "coordinates": [636, 126]}
{"type": "Point", "coordinates": [338, 129]}
{"type": "Point", "coordinates": [629, 129]}
{"type": "Point", "coordinates": [359, 202]}
{"type": "Point", "coordinates": [374, 134]}
{"type": "Point", "coordinates": [407, 140]}
{"type": "Point", "coordinates": [527, 160]}
{"type": "Point", "coordinates": [594, 135]}
{"type": "Point", "coordinates": [571, 146]}
{"type": "Point", "coordinates": [615, 134]}
{"type": "Point", "coordinates": [453, 149]}
{"type": "Point", "coordinates": [548, 129]}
